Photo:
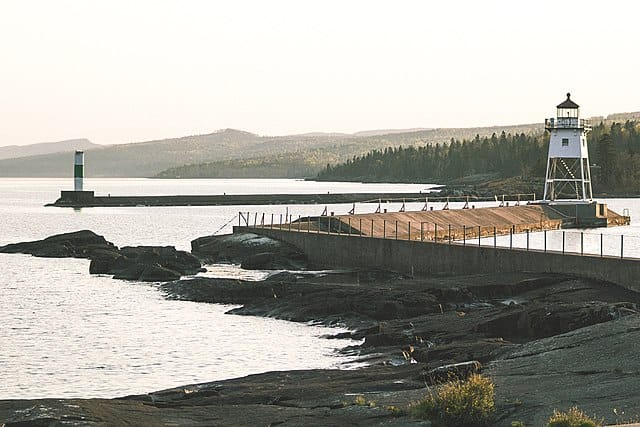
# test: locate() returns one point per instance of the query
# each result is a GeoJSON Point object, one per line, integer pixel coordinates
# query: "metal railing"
{"type": "Point", "coordinates": [515, 237]}
{"type": "Point", "coordinates": [566, 123]}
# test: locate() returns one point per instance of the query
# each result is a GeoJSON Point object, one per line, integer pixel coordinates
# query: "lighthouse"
{"type": "Point", "coordinates": [568, 176]}
{"type": "Point", "coordinates": [78, 171]}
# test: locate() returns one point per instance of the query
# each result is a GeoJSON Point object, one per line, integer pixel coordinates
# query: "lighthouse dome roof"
{"type": "Point", "coordinates": [568, 103]}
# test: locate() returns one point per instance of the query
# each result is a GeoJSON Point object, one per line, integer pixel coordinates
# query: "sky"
{"type": "Point", "coordinates": [124, 71]}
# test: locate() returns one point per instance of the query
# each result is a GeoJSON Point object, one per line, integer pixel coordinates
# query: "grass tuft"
{"type": "Point", "coordinates": [459, 403]}
{"type": "Point", "coordinates": [574, 417]}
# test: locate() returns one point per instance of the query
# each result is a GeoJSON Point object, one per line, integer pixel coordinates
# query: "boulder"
{"type": "Point", "coordinates": [147, 263]}
{"type": "Point", "coordinates": [250, 250]}
{"type": "Point", "coordinates": [78, 244]}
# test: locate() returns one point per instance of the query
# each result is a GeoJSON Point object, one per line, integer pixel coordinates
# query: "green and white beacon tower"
{"type": "Point", "coordinates": [78, 171]}
{"type": "Point", "coordinates": [568, 174]}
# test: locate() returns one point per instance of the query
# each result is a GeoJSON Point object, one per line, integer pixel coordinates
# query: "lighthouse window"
{"type": "Point", "coordinates": [565, 142]}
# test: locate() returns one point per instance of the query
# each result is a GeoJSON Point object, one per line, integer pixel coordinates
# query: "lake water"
{"type": "Point", "coordinates": [65, 333]}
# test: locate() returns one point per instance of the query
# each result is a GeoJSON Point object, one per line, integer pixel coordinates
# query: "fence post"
{"type": "Point", "coordinates": [464, 235]}
{"type": "Point", "coordinates": [581, 243]}
{"type": "Point", "coordinates": [621, 246]}
{"type": "Point", "coordinates": [271, 225]}
{"type": "Point", "coordinates": [601, 252]}
{"type": "Point", "coordinates": [511, 238]}
{"type": "Point", "coordinates": [449, 233]}
{"type": "Point", "coordinates": [396, 229]}
{"type": "Point", "coordinates": [409, 229]}
{"type": "Point", "coordinates": [280, 221]}
{"type": "Point", "coordinates": [299, 218]}
{"type": "Point", "coordinates": [545, 240]}
{"type": "Point", "coordinates": [495, 231]}
{"type": "Point", "coordinates": [255, 219]}
{"type": "Point", "coordinates": [563, 242]}
{"type": "Point", "coordinates": [384, 228]}
{"type": "Point", "coordinates": [478, 235]}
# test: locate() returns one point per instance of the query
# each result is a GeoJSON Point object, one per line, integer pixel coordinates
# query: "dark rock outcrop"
{"type": "Point", "coordinates": [78, 244]}
{"type": "Point", "coordinates": [145, 263]}
{"type": "Point", "coordinates": [250, 250]}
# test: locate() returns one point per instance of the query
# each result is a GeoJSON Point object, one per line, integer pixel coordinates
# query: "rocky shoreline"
{"type": "Point", "coordinates": [546, 341]}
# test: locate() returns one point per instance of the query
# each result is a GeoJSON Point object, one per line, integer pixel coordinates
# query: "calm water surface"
{"type": "Point", "coordinates": [65, 333]}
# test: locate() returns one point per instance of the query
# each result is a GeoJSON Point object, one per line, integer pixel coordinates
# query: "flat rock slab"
{"type": "Point", "coordinates": [596, 368]}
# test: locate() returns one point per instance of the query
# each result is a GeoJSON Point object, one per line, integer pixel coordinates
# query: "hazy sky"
{"type": "Point", "coordinates": [123, 71]}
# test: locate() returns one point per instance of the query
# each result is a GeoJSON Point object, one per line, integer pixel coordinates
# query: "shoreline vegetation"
{"type": "Point", "coordinates": [504, 164]}
{"type": "Point", "coordinates": [545, 342]}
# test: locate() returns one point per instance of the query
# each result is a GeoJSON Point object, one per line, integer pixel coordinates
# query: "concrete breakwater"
{"type": "Point", "coordinates": [86, 199]}
{"type": "Point", "coordinates": [391, 242]}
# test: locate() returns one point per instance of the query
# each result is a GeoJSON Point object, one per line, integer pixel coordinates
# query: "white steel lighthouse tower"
{"type": "Point", "coordinates": [568, 176]}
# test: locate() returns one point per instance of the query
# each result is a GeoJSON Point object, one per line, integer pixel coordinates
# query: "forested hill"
{"type": "Point", "coordinates": [614, 154]}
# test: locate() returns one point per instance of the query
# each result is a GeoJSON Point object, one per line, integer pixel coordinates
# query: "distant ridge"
{"type": "Point", "coordinates": [15, 151]}
{"type": "Point", "coordinates": [377, 132]}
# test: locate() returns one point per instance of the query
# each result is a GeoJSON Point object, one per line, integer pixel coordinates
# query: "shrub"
{"type": "Point", "coordinates": [459, 403]}
{"type": "Point", "coordinates": [572, 418]}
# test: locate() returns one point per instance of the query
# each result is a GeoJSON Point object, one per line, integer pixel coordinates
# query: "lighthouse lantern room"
{"type": "Point", "coordinates": [568, 176]}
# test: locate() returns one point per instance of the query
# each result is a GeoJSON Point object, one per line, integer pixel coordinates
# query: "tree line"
{"type": "Point", "coordinates": [614, 156]}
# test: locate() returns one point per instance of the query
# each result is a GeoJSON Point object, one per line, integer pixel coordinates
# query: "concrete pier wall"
{"type": "Point", "coordinates": [423, 258]}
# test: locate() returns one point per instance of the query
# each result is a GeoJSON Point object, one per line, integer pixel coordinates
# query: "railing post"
{"type": "Point", "coordinates": [464, 235]}
{"type": "Point", "coordinates": [581, 243]}
{"type": "Point", "coordinates": [478, 235]}
{"type": "Point", "coordinates": [495, 231]}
